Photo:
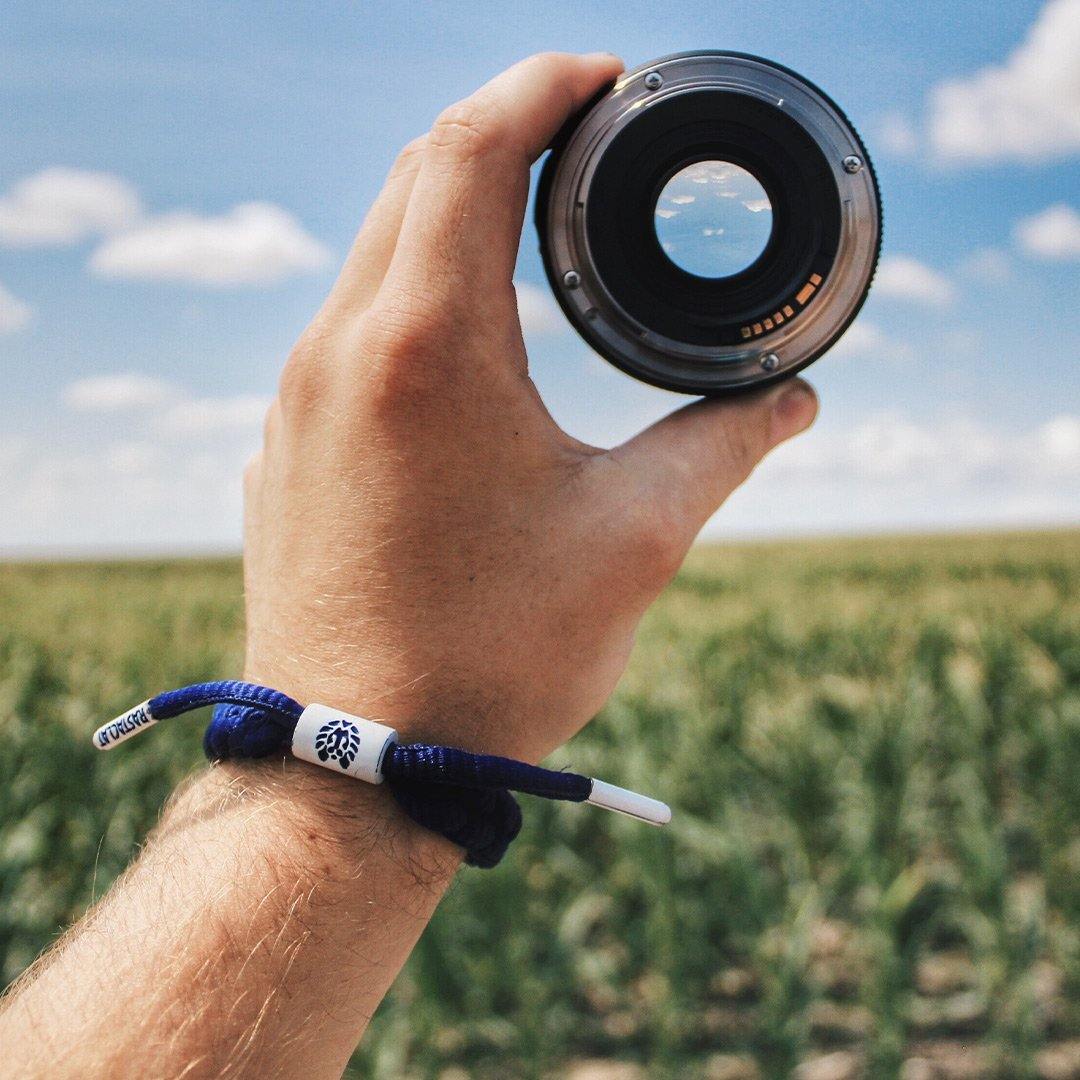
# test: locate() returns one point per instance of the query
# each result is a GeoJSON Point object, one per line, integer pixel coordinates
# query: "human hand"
{"type": "Point", "coordinates": [423, 544]}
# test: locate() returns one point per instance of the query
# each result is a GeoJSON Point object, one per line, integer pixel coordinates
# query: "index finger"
{"type": "Point", "coordinates": [465, 213]}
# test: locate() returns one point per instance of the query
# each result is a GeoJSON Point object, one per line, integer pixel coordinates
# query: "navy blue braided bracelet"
{"type": "Point", "coordinates": [463, 796]}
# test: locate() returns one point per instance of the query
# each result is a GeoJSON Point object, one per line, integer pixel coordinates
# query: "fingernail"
{"type": "Point", "coordinates": [794, 410]}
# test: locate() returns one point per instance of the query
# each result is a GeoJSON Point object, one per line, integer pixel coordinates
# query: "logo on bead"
{"type": "Point", "coordinates": [338, 740]}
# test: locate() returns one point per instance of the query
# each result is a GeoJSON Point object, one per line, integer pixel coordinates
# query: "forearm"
{"type": "Point", "coordinates": [256, 934]}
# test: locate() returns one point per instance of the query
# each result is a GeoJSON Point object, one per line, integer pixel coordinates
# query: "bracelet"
{"type": "Point", "coordinates": [460, 795]}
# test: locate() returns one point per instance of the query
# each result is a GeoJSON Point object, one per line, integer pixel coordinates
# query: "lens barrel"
{"type": "Point", "coordinates": [711, 116]}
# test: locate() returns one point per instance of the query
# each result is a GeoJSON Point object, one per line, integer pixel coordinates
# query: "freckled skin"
{"type": "Point", "coordinates": [422, 545]}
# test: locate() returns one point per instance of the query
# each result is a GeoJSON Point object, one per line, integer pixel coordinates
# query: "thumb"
{"type": "Point", "coordinates": [692, 460]}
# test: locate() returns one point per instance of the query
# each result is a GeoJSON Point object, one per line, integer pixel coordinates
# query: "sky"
{"type": "Point", "coordinates": [713, 219]}
{"type": "Point", "coordinates": [179, 183]}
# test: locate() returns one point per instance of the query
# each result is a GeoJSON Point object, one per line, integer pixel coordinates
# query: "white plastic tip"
{"type": "Point", "coordinates": [641, 807]}
{"type": "Point", "coordinates": [124, 727]}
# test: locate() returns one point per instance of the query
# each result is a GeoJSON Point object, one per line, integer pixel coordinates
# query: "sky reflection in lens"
{"type": "Point", "coordinates": [713, 219]}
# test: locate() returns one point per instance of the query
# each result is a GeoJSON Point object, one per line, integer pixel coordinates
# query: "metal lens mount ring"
{"type": "Point", "coordinates": [647, 315]}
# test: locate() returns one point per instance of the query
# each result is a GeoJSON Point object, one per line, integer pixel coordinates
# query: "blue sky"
{"type": "Point", "coordinates": [146, 305]}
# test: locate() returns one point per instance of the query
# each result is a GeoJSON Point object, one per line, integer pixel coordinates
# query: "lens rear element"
{"type": "Point", "coordinates": [713, 219]}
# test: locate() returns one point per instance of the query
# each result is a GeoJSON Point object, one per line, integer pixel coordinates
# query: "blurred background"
{"type": "Point", "coordinates": [871, 742]}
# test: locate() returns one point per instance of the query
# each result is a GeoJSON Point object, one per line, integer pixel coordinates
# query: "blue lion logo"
{"type": "Point", "coordinates": [337, 740]}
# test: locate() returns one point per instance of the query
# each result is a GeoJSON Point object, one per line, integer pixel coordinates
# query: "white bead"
{"type": "Point", "coordinates": [123, 727]}
{"type": "Point", "coordinates": [342, 742]}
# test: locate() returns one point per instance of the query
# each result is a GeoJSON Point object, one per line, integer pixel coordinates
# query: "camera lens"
{"type": "Point", "coordinates": [711, 223]}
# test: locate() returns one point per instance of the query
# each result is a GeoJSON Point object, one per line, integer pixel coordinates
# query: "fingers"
{"type": "Point", "coordinates": [373, 248]}
{"type": "Point", "coordinates": [463, 222]}
{"type": "Point", "coordinates": [692, 460]}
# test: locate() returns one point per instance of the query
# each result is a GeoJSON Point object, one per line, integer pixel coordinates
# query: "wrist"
{"type": "Point", "coordinates": [422, 706]}
{"type": "Point", "coordinates": [319, 825]}
{"type": "Point", "coordinates": [463, 796]}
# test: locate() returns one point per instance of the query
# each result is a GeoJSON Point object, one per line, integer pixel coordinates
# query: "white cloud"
{"type": "Point", "coordinates": [118, 487]}
{"type": "Point", "coordinates": [897, 135]}
{"type": "Point", "coordinates": [63, 206]}
{"type": "Point", "coordinates": [131, 459]}
{"type": "Point", "coordinates": [905, 278]}
{"type": "Point", "coordinates": [961, 342]}
{"type": "Point", "coordinates": [166, 408]}
{"type": "Point", "coordinates": [884, 471]}
{"type": "Point", "coordinates": [887, 471]}
{"type": "Point", "coordinates": [538, 311]}
{"type": "Point", "coordinates": [988, 266]}
{"type": "Point", "coordinates": [123, 496]}
{"type": "Point", "coordinates": [11, 451]}
{"type": "Point", "coordinates": [117, 393]}
{"type": "Point", "coordinates": [253, 244]}
{"type": "Point", "coordinates": [1054, 233]}
{"type": "Point", "coordinates": [890, 471]}
{"type": "Point", "coordinates": [1027, 108]}
{"type": "Point", "coordinates": [14, 314]}
{"type": "Point", "coordinates": [890, 447]}
{"type": "Point", "coordinates": [1059, 440]}
{"type": "Point", "coordinates": [204, 416]}
{"type": "Point", "coordinates": [867, 340]}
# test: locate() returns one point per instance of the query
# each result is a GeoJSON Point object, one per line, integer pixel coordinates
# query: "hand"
{"type": "Point", "coordinates": [423, 544]}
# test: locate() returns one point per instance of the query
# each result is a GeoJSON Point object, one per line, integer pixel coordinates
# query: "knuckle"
{"type": "Point", "coordinates": [420, 323]}
{"type": "Point", "coordinates": [253, 472]}
{"type": "Point", "coordinates": [405, 354]}
{"type": "Point", "coordinates": [272, 422]}
{"type": "Point", "coordinates": [305, 379]}
{"type": "Point", "coordinates": [402, 330]}
{"type": "Point", "coordinates": [300, 386]}
{"type": "Point", "coordinates": [550, 62]}
{"type": "Point", "coordinates": [409, 154]}
{"type": "Point", "coordinates": [555, 71]}
{"type": "Point", "coordinates": [551, 58]}
{"type": "Point", "coordinates": [465, 130]}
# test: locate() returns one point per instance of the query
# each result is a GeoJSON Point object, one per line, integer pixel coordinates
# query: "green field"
{"type": "Point", "coordinates": [872, 749]}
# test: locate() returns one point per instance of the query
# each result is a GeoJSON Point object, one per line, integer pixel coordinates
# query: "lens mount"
{"type": "Point", "coordinates": [637, 306]}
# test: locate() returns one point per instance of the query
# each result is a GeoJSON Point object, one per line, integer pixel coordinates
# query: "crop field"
{"type": "Point", "coordinates": [872, 749]}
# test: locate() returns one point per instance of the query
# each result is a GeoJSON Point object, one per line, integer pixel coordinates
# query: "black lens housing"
{"type": "Point", "coordinates": [595, 215]}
